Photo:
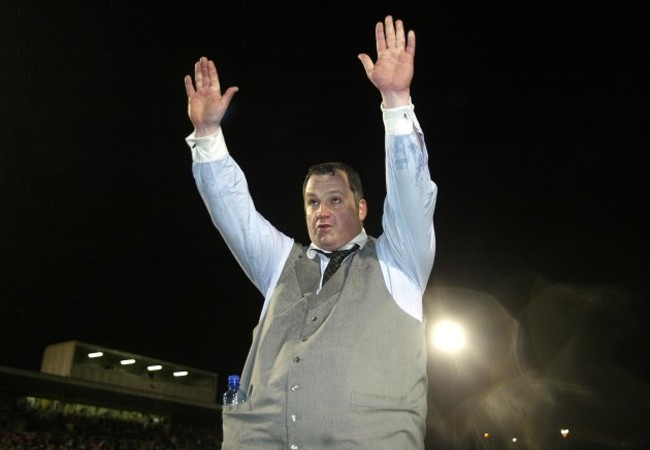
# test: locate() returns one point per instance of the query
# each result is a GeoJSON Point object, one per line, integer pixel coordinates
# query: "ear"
{"type": "Point", "coordinates": [363, 210]}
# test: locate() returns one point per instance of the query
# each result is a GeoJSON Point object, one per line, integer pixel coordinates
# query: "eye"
{"type": "Point", "coordinates": [336, 199]}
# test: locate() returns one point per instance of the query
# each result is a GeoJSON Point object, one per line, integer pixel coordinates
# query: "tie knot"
{"type": "Point", "coordinates": [339, 254]}
{"type": "Point", "coordinates": [336, 258]}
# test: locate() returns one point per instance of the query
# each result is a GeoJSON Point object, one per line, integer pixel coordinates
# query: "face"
{"type": "Point", "coordinates": [332, 215]}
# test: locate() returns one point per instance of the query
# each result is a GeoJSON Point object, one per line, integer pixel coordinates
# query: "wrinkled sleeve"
{"type": "Point", "coordinates": [259, 248]}
{"type": "Point", "coordinates": [407, 245]}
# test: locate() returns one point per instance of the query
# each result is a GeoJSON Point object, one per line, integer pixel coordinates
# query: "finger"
{"type": "Point", "coordinates": [367, 63]}
{"type": "Point", "coordinates": [410, 43]}
{"type": "Point", "coordinates": [228, 95]}
{"type": "Point", "coordinates": [400, 38]}
{"type": "Point", "coordinates": [189, 88]}
{"type": "Point", "coordinates": [390, 32]}
{"type": "Point", "coordinates": [205, 73]}
{"type": "Point", "coordinates": [198, 75]}
{"type": "Point", "coordinates": [380, 37]}
{"type": "Point", "coordinates": [213, 76]}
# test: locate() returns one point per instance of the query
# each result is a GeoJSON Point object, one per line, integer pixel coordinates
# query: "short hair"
{"type": "Point", "coordinates": [330, 168]}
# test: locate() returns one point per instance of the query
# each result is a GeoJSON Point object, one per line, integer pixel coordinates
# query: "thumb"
{"type": "Point", "coordinates": [367, 62]}
{"type": "Point", "coordinates": [229, 94]}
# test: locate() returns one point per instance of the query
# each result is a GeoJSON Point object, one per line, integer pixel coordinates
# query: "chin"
{"type": "Point", "coordinates": [326, 245]}
{"type": "Point", "coordinates": [324, 240]}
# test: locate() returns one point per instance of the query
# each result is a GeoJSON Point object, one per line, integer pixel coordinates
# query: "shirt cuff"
{"type": "Point", "coordinates": [207, 148]}
{"type": "Point", "coordinates": [400, 120]}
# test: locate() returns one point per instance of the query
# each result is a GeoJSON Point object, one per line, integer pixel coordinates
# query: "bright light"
{"type": "Point", "coordinates": [181, 373]}
{"type": "Point", "coordinates": [154, 367]}
{"type": "Point", "coordinates": [448, 336]}
{"type": "Point", "coordinates": [95, 355]}
{"type": "Point", "coordinates": [514, 439]}
{"type": "Point", "coordinates": [564, 432]}
{"type": "Point", "coordinates": [127, 362]}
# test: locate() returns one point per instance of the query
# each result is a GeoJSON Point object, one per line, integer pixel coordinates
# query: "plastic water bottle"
{"type": "Point", "coordinates": [234, 395]}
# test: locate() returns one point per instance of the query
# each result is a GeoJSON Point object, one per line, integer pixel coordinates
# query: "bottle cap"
{"type": "Point", "coordinates": [233, 379]}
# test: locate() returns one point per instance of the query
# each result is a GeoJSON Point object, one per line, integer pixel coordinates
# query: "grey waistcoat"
{"type": "Point", "coordinates": [344, 369]}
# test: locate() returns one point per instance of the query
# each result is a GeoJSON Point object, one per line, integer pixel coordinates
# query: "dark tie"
{"type": "Point", "coordinates": [336, 258]}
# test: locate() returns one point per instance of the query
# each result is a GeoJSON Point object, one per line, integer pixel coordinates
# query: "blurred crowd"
{"type": "Point", "coordinates": [34, 429]}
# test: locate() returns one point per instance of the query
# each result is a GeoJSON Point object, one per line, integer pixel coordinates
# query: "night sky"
{"type": "Point", "coordinates": [535, 118]}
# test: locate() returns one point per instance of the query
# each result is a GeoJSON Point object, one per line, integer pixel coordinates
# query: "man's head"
{"type": "Point", "coordinates": [334, 204]}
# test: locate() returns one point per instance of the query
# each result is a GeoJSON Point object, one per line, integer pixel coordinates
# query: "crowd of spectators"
{"type": "Point", "coordinates": [34, 429]}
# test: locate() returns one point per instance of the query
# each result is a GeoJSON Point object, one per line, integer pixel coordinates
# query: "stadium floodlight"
{"type": "Point", "coordinates": [448, 336]}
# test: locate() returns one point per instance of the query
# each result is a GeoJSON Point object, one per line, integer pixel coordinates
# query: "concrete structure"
{"type": "Point", "coordinates": [77, 376]}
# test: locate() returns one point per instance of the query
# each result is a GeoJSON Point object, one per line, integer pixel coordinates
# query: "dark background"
{"type": "Point", "coordinates": [535, 116]}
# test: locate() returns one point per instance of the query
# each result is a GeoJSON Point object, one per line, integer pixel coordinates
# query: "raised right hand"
{"type": "Point", "coordinates": [206, 106]}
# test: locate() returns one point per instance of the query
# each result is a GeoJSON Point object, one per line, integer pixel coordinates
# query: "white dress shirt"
{"type": "Point", "coordinates": [406, 248]}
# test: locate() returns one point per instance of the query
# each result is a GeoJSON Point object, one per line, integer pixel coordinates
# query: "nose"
{"type": "Point", "coordinates": [323, 210]}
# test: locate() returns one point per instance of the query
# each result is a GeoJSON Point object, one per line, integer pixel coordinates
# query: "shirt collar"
{"type": "Point", "coordinates": [359, 239]}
